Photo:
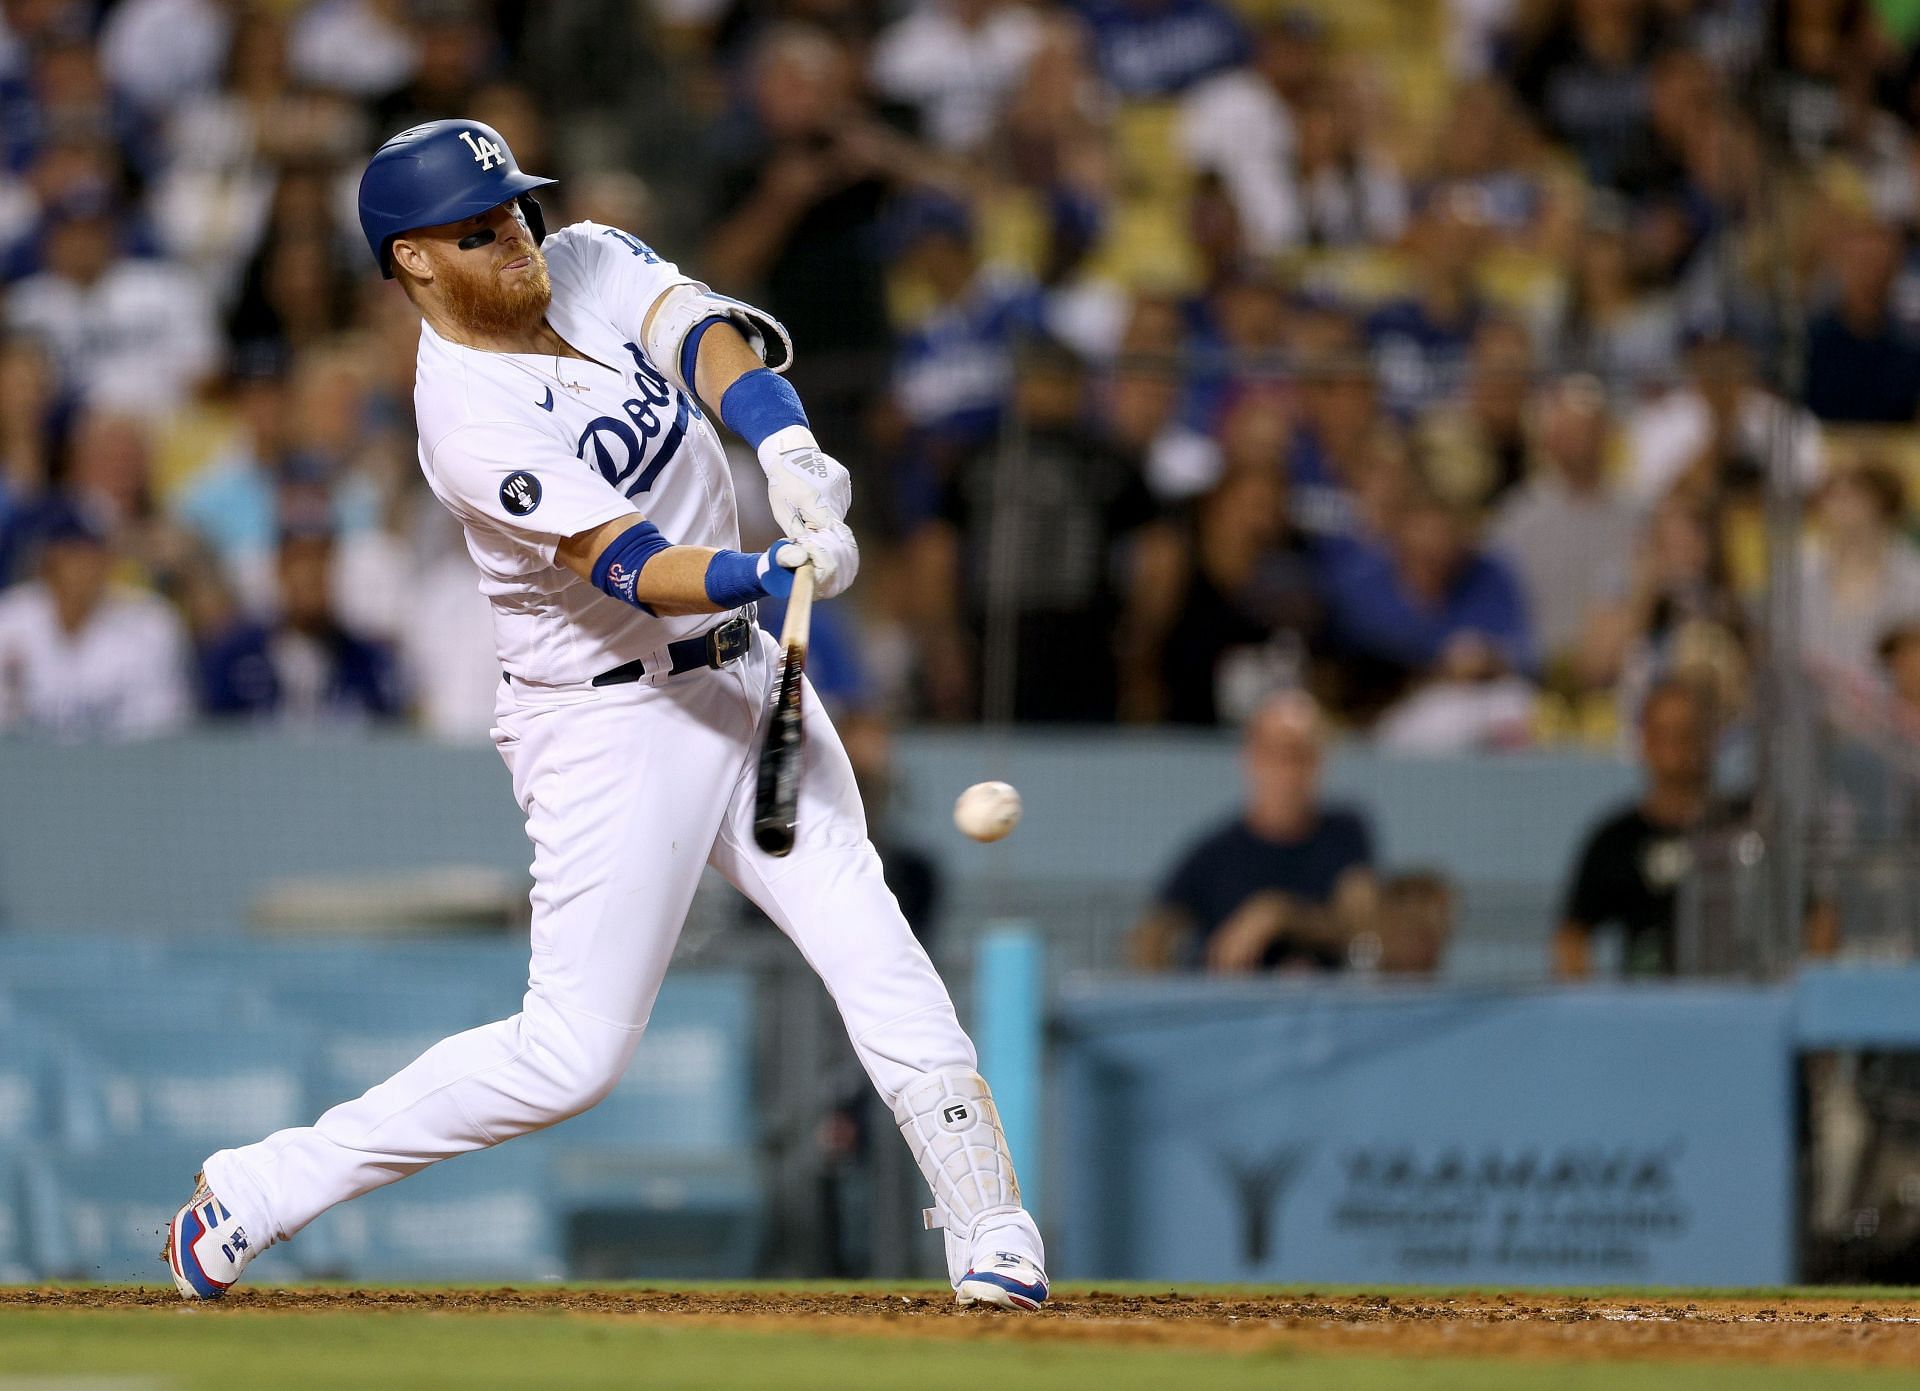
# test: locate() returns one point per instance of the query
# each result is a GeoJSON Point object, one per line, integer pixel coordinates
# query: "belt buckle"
{"type": "Point", "coordinates": [727, 642]}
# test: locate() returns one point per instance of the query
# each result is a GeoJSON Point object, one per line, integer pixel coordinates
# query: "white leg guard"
{"type": "Point", "coordinates": [950, 1124]}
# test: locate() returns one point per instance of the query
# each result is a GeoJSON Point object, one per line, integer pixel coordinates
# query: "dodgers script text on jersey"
{"type": "Point", "coordinates": [521, 448]}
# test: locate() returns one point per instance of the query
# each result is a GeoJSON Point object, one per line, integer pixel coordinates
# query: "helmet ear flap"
{"type": "Point", "coordinates": [536, 220]}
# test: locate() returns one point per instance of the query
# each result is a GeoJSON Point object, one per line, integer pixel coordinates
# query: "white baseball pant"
{"type": "Point", "coordinates": [628, 791]}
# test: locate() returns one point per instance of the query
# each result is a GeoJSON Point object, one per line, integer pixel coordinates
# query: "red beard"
{"type": "Point", "coordinates": [486, 305]}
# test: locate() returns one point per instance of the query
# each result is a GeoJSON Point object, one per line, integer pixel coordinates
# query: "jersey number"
{"type": "Point", "coordinates": [620, 444]}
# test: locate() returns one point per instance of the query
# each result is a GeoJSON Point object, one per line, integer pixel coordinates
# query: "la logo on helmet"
{"type": "Point", "coordinates": [485, 153]}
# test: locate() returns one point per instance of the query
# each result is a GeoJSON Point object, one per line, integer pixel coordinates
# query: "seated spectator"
{"type": "Point", "coordinates": [1566, 524]}
{"type": "Point", "coordinates": [1050, 540]}
{"type": "Point", "coordinates": [1862, 577]}
{"type": "Point", "coordinates": [1050, 146]}
{"type": "Point", "coordinates": [127, 334]}
{"type": "Point", "coordinates": [71, 169]}
{"type": "Point", "coordinates": [1335, 447]}
{"type": "Point", "coordinates": [1863, 363]}
{"type": "Point", "coordinates": [160, 52]}
{"type": "Point", "coordinates": [1241, 127]}
{"type": "Point", "coordinates": [292, 292]}
{"type": "Point", "coordinates": [1236, 327]}
{"type": "Point", "coordinates": [304, 667]}
{"type": "Point", "coordinates": [1612, 324]}
{"type": "Point", "coordinates": [953, 368]}
{"type": "Point", "coordinates": [798, 191]}
{"type": "Point", "coordinates": [1415, 925]}
{"type": "Point", "coordinates": [1681, 85]}
{"type": "Point", "coordinates": [81, 658]}
{"type": "Point", "coordinates": [1351, 191]}
{"type": "Point", "coordinates": [227, 146]}
{"type": "Point", "coordinates": [954, 62]}
{"type": "Point", "coordinates": [1159, 48]}
{"type": "Point", "coordinates": [1474, 447]}
{"type": "Point", "coordinates": [1143, 410]}
{"type": "Point", "coordinates": [1242, 596]}
{"type": "Point", "coordinates": [1814, 53]}
{"type": "Point", "coordinates": [1420, 340]}
{"type": "Point", "coordinates": [1426, 605]}
{"type": "Point", "coordinates": [1666, 607]}
{"type": "Point", "coordinates": [1629, 870]}
{"type": "Point", "coordinates": [65, 91]}
{"type": "Point", "coordinates": [1717, 429]}
{"type": "Point", "coordinates": [1587, 75]}
{"type": "Point", "coordinates": [310, 433]}
{"type": "Point", "coordinates": [360, 47]}
{"type": "Point", "coordinates": [1285, 884]}
{"type": "Point", "coordinates": [1480, 146]}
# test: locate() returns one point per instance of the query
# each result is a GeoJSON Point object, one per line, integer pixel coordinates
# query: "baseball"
{"type": "Point", "coordinates": [987, 811]}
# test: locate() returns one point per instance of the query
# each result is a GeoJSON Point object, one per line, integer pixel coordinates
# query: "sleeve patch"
{"type": "Point", "coordinates": [520, 493]}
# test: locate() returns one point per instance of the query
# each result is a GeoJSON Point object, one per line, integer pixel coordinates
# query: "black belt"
{"type": "Point", "coordinates": [714, 648]}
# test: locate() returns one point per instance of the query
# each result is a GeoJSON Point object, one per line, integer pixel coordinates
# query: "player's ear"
{"type": "Point", "coordinates": [412, 259]}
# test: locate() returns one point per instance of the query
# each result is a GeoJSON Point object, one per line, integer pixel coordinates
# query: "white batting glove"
{"type": "Point", "coordinates": [807, 488]}
{"type": "Point", "coordinates": [833, 551]}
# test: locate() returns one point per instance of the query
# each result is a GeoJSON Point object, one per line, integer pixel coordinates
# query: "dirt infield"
{"type": "Point", "coordinates": [1799, 1330]}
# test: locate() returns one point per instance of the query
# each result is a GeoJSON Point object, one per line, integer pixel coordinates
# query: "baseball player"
{"type": "Point", "coordinates": [564, 390]}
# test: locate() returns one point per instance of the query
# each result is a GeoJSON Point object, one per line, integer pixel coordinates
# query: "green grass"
{"type": "Point", "coordinates": [471, 1352]}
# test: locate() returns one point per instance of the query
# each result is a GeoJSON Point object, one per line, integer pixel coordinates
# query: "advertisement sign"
{"type": "Point", "coordinates": [1436, 1137]}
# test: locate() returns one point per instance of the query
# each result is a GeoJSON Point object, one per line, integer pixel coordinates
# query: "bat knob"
{"type": "Point", "coordinates": [774, 836]}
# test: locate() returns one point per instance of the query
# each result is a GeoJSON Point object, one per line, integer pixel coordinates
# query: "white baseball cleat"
{"type": "Point", "coordinates": [1010, 1281]}
{"type": "Point", "coordinates": [206, 1247]}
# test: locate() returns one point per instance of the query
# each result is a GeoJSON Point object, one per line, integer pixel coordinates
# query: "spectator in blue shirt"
{"type": "Point", "coordinates": [306, 667]}
{"type": "Point", "coordinates": [1335, 441]}
{"type": "Point", "coordinates": [1159, 48]}
{"type": "Point", "coordinates": [1863, 365]}
{"type": "Point", "coordinates": [1420, 341]}
{"type": "Point", "coordinates": [953, 369]}
{"type": "Point", "coordinates": [1427, 604]}
{"type": "Point", "coordinates": [1287, 883]}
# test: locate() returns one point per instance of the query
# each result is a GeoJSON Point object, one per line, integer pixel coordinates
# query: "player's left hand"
{"type": "Point", "coordinates": [833, 551]}
{"type": "Point", "coordinates": [807, 487]}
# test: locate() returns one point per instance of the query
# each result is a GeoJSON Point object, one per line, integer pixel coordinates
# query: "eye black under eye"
{"type": "Point", "coordinates": [474, 240]}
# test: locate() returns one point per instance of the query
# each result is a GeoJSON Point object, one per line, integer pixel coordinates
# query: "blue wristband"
{"type": "Point", "coordinates": [734, 579]}
{"type": "Point", "coordinates": [760, 403]}
{"type": "Point", "coordinates": [617, 569]}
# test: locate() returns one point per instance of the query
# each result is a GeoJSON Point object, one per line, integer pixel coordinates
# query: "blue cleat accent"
{"type": "Point", "coordinates": [1009, 1281]}
{"type": "Point", "coordinates": [206, 1247]}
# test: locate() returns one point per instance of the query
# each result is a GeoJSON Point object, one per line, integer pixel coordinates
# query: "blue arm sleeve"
{"type": "Point", "coordinates": [760, 403]}
{"type": "Point", "coordinates": [617, 570]}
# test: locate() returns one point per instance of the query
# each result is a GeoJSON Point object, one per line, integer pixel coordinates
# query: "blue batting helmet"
{"type": "Point", "coordinates": [440, 172]}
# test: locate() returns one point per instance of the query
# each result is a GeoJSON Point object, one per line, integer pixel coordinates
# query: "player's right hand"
{"type": "Point", "coordinates": [833, 551]}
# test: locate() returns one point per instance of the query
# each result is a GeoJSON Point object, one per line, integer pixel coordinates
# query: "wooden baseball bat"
{"type": "Point", "coordinates": [777, 792]}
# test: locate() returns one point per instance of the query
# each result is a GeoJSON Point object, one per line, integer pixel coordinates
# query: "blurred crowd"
{"type": "Point", "coordinates": [1447, 359]}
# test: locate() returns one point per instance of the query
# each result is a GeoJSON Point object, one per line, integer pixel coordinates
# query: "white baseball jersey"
{"type": "Point", "coordinates": [122, 676]}
{"type": "Point", "coordinates": [529, 449]}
